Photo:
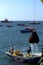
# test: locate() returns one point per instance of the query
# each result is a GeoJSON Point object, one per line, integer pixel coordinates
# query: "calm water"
{"type": "Point", "coordinates": [9, 36]}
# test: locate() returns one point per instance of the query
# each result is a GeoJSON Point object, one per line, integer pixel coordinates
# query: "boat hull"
{"type": "Point", "coordinates": [24, 59]}
{"type": "Point", "coordinates": [25, 31]}
{"type": "Point", "coordinates": [32, 60]}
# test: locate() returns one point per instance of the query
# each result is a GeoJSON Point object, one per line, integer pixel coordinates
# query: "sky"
{"type": "Point", "coordinates": [24, 10]}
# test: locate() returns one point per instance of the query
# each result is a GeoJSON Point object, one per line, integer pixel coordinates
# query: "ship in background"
{"type": "Point", "coordinates": [6, 21]}
{"type": "Point", "coordinates": [34, 22]}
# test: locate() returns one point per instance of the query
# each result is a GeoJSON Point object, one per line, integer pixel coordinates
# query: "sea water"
{"type": "Point", "coordinates": [12, 36]}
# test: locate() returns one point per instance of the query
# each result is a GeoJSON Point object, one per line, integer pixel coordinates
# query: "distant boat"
{"type": "Point", "coordinates": [21, 24]}
{"type": "Point", "coordinates": [9, 26]}
{"type": "Point", "coordinates": [5, 21]}
{"type": "Point", "coordinates": [35, 22]}
{"type": "Point", "coordinates": [26, 31]}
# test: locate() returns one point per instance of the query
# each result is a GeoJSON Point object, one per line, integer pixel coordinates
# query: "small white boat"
{"type": "Point", "coordinates": [35, 22]}
{"type": "Point", "coordinates": [17, 55]}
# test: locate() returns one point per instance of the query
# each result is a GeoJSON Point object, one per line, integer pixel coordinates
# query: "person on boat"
{"type": "Point", "coordinates": [29, 50]}
{"type": "Point", "coordinates": [11, 50]}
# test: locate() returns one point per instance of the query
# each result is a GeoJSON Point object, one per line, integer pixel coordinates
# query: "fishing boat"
{"type": "Point", "coordinates": [26, 30]}
{"type": "Point", "coordinates": [35, 22]}
{"type": "Point", "coordinates": [19, 56]}
{"type": "Point", "coordinates": [29, 56]}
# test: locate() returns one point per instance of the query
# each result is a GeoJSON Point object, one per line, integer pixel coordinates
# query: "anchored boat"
{"type": "Point", "coordinates": [27, 30]}
{"type": "Point", "coordinates": [35, 22]}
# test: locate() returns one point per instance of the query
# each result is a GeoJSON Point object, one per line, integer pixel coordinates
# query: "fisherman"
{"type": "Point", "coordinates": [29, 50]}
{"type": "Point", "coordinates": [11, 50]}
